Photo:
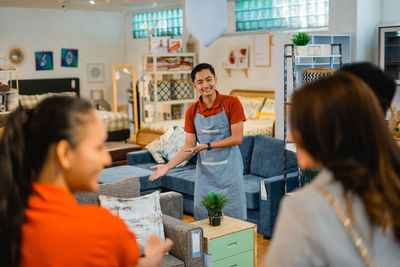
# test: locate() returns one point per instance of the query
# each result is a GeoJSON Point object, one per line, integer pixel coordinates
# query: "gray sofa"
{"type": "Point", "coordinates": [263, 172]}
{"type": "Point", "coordinates": [174, 227]}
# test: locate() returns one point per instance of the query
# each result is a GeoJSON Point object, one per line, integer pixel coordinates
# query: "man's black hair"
{"type": "Point", "coordinates": [200, 67]}
{"type": "Point", "coordinates": [381, 83]}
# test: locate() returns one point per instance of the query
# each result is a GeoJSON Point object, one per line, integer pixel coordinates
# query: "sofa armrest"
{"type": "Point", "coordinates": [269, 204]}
{"type": "Point", "coordinates": [181, 233]}
{"type": "Point", "coordinates": [139, 157]}
{"type": "Point", "coordinates": [172, 204]}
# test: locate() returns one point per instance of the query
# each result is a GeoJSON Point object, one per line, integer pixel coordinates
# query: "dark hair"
{"type": "Point", "coordinates": [24, 144]}
{"type": "Point", "coordinates": [339, 122]}
{"type": "Point", "coordinates": [381, 83]}
{"type": "Point", "coordinates": [200, 67]}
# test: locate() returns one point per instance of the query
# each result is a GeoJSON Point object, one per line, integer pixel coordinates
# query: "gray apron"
{"type": "Point", "coordinates": [220, 169]}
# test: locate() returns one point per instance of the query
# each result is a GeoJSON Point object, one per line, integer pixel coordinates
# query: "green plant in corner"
{"type": "Point", "coordinates": [301, 39]}
{"type": "Point", "coordinates": [214, 203]}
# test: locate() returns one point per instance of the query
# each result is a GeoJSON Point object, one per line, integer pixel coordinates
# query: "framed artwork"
{"type": "Point", "coordinates": [262, 50]}
{"type": "Point", "coordinates": [238, 57]}
{"type": "Point", "coordinates": [44, 60]}
{"type": "Point", "coordinates": [95, 72]}
{"type": "Point", "coordinates": [69, 57]}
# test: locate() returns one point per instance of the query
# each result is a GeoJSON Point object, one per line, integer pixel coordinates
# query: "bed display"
{"type": "Point", "coordinates": [259, 107]}
{"type": "Point", "coordinates": [35, 90]}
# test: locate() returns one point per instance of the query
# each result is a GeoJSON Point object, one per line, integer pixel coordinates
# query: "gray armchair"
{"type": "Point", "coordinates": [174, 227]}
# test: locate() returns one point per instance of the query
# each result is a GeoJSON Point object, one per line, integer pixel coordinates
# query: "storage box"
{"type": "Point", "coordinates": [182, 89]}
{"type": "Point", "coordinates": [158, 44]}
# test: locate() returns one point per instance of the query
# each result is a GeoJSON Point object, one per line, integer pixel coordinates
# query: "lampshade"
{"type": "Point", "coordinates": [96, 94]}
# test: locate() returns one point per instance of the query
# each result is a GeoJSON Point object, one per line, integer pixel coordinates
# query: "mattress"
{"type": "Point", "coordinates": [251, 127]}
{"type": "Point", "coordinates": [114, 121]}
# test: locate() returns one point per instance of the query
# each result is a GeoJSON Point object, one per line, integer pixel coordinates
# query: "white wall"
{"type": "Point", "coordinates": [368, 17]}
{"type": "Point", "coordinates": [98, 36]}
{"type": "Point", "coordinates": [390, 11]}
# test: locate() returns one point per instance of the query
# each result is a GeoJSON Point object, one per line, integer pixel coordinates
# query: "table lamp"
{"type": "Point", "coordinates": [97, 97]}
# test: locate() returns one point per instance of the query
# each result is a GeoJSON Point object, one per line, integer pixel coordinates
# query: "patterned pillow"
{"type": "Point", "coordinates": [174, 143]}
{"type": "Point", "coordinates": [251, 106]}
{"type": "Point", "coordinates": [28, 101]}
{"type": "Point", "coordinates": [142, 214]}
{"type": "Point", "coordinates": [268, 110]}
{"type": "Point", "coordinates": [155, 147]}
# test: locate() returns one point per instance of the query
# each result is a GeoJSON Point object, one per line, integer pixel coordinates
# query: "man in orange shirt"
{"type": "Point", "coordinates": [216, 122]}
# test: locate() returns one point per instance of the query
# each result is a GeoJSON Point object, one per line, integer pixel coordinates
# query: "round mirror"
{"type": "Point", "coordinates": [16, 56]}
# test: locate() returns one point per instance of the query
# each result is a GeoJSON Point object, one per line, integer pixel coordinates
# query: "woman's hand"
{"type": "Point", "coordinates": [156, 247]}
{"type": "Point", "coordinates": [197, 148]}
{"type": "Point", "coordinates": [162, 170]}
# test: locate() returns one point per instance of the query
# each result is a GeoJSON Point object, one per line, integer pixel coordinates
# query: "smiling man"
{"type": "Point", "coordinates": [215, 121]}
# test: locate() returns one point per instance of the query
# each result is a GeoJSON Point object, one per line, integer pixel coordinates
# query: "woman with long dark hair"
{"type": "Point", "coordinates": [350, 214]}
{"type": "Point", "coordinates": [46, 154]}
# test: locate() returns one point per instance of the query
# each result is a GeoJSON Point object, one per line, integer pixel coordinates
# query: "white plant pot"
{"type": "Point", "coordinates": [301, 50]}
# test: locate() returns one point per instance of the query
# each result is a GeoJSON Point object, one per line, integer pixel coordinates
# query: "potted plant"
{"type": "Point", "coordinates": [214, 203]}
{"type": "Point", "coordinates": [300, 41]}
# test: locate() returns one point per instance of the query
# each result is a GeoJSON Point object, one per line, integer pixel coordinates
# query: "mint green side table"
{"type": "Point", "coordinates": [233, 243]}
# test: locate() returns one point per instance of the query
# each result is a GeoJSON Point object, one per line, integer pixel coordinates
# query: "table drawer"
{"type": "Point", "coordinates": [232, 244]}
{"type": "Point", "coordinates": [245, 259]}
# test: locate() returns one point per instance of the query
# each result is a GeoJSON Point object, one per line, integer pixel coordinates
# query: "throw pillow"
{"type": "Point", "coordinates": [142, 214]}
{"type": "Point", "coordinates": [155, 147]}
{"type": "Point", "coordinates": [174, 143]}
{"type": "Point", "coordinates": [251, 106]}
{"type": "Point", "coordinates": [268, 110]}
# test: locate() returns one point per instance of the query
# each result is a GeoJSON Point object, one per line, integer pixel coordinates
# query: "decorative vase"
{"type": "Point", "coordinates": [301, 50]}
{"type": "Point", "coordinates": [215, 220]}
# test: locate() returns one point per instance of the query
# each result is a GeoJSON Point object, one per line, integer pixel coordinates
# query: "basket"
{"type": "Point", "coordinates": [311, 75]}
{"type": "Point", "coordinates": [182, 89]}
{"type": "Point", "coordinates": [163, 91]}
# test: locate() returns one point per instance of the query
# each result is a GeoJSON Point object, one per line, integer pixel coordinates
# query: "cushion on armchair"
{"type": "Point", "coordinates": [141, 214]}
{"type": "Point", "coordinates": [267, 157]}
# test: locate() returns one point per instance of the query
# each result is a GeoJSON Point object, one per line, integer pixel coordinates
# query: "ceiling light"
{"type": "Point", "coordinates": [92, 2]}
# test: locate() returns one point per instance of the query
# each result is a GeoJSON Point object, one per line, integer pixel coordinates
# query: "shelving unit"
{"type": "Point", "coordinates": [6, 76]}
{"type": "Point", "coordinates": [291, 69]}
{"type": "Point", "coordinates": [389, 51]}
{"type": "Point", "coordinates": [166, 86]}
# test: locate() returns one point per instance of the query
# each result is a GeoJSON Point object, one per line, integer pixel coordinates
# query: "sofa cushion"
{"type": "Point", "coordinates": [182, 181]}
{"type": "Point", "coordinates": [174, 144]}
{"type": "Point", "coordinates": [267, 157]}
{"type": "Point", "coordinates": [113, 174]}
{"type": "Point", "coordinates": [252, 189]}
{"type": "Point", "coordinates": [141, 214]}
{"type": "Point", "coordinates": [246, 149]}
{"type": "Point", "coordinates": [155, 147]}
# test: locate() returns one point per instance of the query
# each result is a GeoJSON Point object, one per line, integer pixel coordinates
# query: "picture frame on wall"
{"type": "Point", "coordinates": [69, 57]}
{"type": "Point", "coordinates": [44, 60]}
{"type": "Point", "coordinates": [95, 72]}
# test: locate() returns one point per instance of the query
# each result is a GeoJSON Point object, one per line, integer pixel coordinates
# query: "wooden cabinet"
{"type": "Point", "coordinates": [233, 243]}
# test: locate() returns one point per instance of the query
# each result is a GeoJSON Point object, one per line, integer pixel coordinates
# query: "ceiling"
{"type": "Point", "coordinates": [100, 5]}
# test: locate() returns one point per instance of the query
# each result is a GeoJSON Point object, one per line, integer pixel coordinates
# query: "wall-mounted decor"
{"type": "Point", "coordinates": [95, 72]}
{"type": "Point", "coordinates": [44, 60]}
{"type": "Point", "coordinates": [238, 57]}
{"type": "Point", "coordinates": [69, 57]}
{"type": "Point", "coordinates": [15, 55]}
{"type": "Point", "coordinates": [262, 50]}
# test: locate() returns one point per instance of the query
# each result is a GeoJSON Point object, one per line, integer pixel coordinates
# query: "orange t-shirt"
{"type": "Point", "coordinates": [233, 109]}
{"type": "Point", "coordinates": [60, 232]}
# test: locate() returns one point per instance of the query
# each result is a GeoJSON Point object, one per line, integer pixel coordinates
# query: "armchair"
{"type": "Point", "coordinates": [174, 227]}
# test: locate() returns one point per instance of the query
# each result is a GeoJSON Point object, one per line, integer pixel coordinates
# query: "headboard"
{"type": "Point", "coordinates": [43, 86]}
{"type": "Point", "coordinates": [255, 93]}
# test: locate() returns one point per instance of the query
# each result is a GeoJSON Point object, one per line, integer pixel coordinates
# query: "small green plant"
{"type": "Point", "coordinates": [301, 39]}
{"type": "Point", "coordinates": [214, 203]}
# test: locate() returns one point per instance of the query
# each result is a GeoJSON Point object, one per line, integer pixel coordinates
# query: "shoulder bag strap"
{"type": "Point", "coordinates": [348, 225]}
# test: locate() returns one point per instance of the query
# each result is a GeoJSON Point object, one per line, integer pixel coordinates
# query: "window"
{"type": "Point", "coordinates": [164, 23]}
{"type": "Point", "coordinates": [281, 14]}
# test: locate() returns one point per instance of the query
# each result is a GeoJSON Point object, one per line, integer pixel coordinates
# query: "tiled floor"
{"type": "Point", "coordinates": [262, 244]}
